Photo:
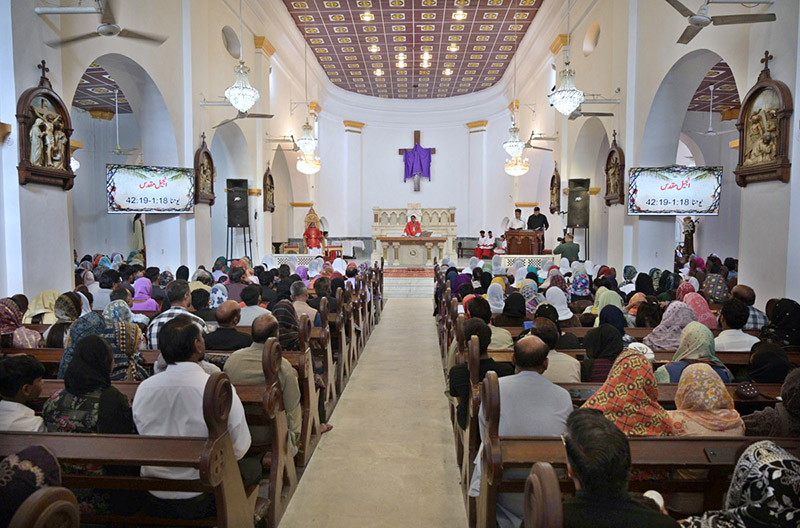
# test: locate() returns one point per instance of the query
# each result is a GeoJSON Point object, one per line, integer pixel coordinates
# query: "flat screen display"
{"type": "Point", "coordinates": [674, 190]}
{"type": "Point", "coordinates": [146, 189]}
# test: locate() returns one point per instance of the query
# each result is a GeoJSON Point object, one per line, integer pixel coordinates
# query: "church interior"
{"type": "Point", "coordinates": [541, 161]}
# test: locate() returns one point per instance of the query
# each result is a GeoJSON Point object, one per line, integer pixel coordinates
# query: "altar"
{"type": "Point", "coordinates": [438, 227]}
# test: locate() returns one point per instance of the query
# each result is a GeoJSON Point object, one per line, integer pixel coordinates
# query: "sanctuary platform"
{"type": "Point", "coordinates": [438, 225]}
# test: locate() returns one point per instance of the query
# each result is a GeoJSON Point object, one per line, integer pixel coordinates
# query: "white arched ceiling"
{"type": "Point", "coordinates": [588, 161]}
{"type": "Point", "coordinates": [231, 159]}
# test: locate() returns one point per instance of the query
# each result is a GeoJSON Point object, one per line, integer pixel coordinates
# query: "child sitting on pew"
{"type": "Point", "coordinates": [20, 383]}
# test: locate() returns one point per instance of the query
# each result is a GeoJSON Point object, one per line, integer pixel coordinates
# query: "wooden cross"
{"type": "Point", "coordinates": [43, 80]}
{"type": "Point", "coordinates": [765, 61]}
{"type": "Point", "coordinates": [402, 151]}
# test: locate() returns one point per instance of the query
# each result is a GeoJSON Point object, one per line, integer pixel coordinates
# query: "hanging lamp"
{"type": "Point", "coordinates": [307, 161]}
{"type": "Point", "coordinates": [514, 146]}
{"type": "Point", "coordinates": [566, 98]}
{"type": "Point", "coordinates": [241, 94]}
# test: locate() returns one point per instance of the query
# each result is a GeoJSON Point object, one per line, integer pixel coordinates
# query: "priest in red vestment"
{"type": "Point", "coordinates": [313, 239]}
{"type": "Point", "coordinates": [413, 228]}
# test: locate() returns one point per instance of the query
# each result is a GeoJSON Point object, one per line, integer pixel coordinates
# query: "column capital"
{"type": "Point", "coordinates": [561, 40]}
{"type": "Point", "coordinates": [314, 109]}
{"type": "Point", "coordinates": [353, 126]}
{"type": "Point", "coordinates": [477, 126]}
{"type": "Point", "coordinates": [263, 44]}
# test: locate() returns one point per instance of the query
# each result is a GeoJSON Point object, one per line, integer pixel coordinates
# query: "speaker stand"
{"type": "Point", "coordinates": [230, 243]}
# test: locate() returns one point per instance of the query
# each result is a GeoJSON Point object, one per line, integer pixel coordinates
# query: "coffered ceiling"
{"type": "Point", "coordinates": [359, 42]}
{"type": "Point", "coordinates": [726, 97]}
{"type": "Point", "coordinates": [96, 91]}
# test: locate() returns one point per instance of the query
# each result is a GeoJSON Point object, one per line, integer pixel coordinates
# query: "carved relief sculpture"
{"type": "Point", "coordinates": [615, 174]}
{"type": "Point", "coordinates": [204, 174]}
{"type": "Point", "coordinates": [44, 131]}
{"type": "Point", "coordinates": [763, 130]}
{"type": "Point", "coordinates": [555, 191]}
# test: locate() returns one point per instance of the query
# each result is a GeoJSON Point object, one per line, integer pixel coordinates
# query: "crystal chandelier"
{"type": "Point", "coordinates": [308, 163]}
{"type": "Point", "coordinates": [514, 145]}
{"type": "Point", "coordinates": [517, 166]}
{"type": "Point", "coordinates": [306, 142]}
{"type": "Point", "coordinates": [566, 98]}
{"type": "Point", "coordinates": [240, 94]}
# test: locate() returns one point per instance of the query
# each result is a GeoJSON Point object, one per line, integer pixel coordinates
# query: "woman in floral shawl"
{"type": "Point", "coordinates": [683, 290]}
{"type": "Point", "coordinates": [581, 287]}
{"type": "Point", "coordinates": [704, 405]}
{"type": "Point", "coordinates": [11, 325]}
{"type": "Point", "coordinates": [636, 410]}
{"type": "Point", "coordinates": [67, 309]}
{"type": "Point", "coordinates": [91, 324]}
{"type": "Point", "coordinates": [698, 303]}
{"type": "Point", "coordinates": [530, 292]}
{"type": "Point", "coordinates": [696, 346]}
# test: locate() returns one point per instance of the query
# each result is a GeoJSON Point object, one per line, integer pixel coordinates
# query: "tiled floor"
{"type": "Point", "coordinates": [390, 459]}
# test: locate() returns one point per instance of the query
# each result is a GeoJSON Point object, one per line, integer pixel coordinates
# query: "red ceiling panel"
{"type": "Point", "coordinates": [96, 91]}
{"type": "Point", "coordinates": [726, 97]}
{"type": "Point", "coordinates": [486, 41]}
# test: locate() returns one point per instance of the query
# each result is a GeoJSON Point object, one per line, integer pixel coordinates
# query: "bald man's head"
{"type": "Point", "coordinates": [264, 327]}
{"type": "Point", "coordinates": [530, 353]}
{"type": "Point", "coordinates": [228, 314]}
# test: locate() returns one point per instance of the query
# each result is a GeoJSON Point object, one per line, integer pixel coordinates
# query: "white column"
{"type": "Point", "coordinates": [262, 224]}
{"type": "Point", "coordinates": [478, 186]}
{"type": "Point", "coordinates": [353, 163]}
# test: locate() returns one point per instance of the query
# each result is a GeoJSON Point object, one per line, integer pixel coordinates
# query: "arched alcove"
{"type": "Point", "coordinates": [588, 161]}
{"type": "Point", "coordinates": [229, 150]}
{"type": "Point", "coordinates": [146, 136]}
{"type": "Point", "coordinates": [283, 215]}
{"type": "Point", "coordinates": [654, 238]}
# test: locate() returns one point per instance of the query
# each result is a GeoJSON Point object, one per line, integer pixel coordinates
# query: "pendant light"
{"type": "Point", "coordinates": [566, 98]}
{"type": "Point", "coordinates": [241, 94]}
{"type": "Point", "coordinates": [514, 146]}
{"type": "Point", "coordinates": [307, 162]}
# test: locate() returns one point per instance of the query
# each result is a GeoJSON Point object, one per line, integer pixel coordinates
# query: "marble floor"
{"type": "Point", "coordinates": [389, 460]}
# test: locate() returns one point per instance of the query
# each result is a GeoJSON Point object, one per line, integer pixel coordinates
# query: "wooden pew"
{"type": "Point", "coordinates": [637, 333]}
{"type": "Point", "coordinates": [341, 326]}
{"type": "Point", "coordinates": [320, 340]}
{"type": "Point", "coordinates": [263, 407]}
{"type": "Point", "coordinates": [48, 507]}
{"type": "Point", "coordinates": [212, 456]}
{"type": "Point", "coordinates": [715, 454]}
{"type": "Point", "coordinates": [543, 506]}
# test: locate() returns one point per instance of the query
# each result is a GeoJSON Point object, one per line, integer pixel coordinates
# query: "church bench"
{"type": "Point", "coordinates": [262, 408]}
{"type": "Point", "coordinates": [718, 455]}
{"type": "Point", "coordinates": [212, 456]}
{"type": "Point", "coordinates": [730, 359]}
{"type": "Point", "coordinates": [637, 333]}
{"type": "Point", "coordinates": [48, 507]}
{"type": "Point", "coordinates": [464, 251]}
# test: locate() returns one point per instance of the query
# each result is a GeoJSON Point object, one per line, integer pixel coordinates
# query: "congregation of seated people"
{"type": "Point", "coordinates": [119, 309]}
{"type": "Point", "coordinates": [692, 313]}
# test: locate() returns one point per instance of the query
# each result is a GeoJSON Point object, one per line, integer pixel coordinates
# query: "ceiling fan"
{"type": "Point", "coordinates": [243, 115]}
{"type": "Point", "coordinates": [697, 21]}
{"type": "Point", "coordinates": [579, 113]}
{"type": "Point", "coordinates": [711, 131]}
{"type": "Point", "coordinates": [119, 151]}
{"type": "Point", "coordinates": [109, 28]}
{"type": "Point", "coordinates": [285, 139]}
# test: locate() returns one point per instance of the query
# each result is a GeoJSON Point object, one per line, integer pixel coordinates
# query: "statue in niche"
{"type": "Point", "coordinates": [48, 141]}
{"type": "Point", "coordinates": [689, 229]}
{"type": "Point", "coordinates": [269, 192]}
{"type": "Point", "coordinates": [205, 172]}
{"type": "Point", "coordinates": [615, 174]}
{"type": "Point", "coordinates": [555, 189]}
{"type": "Point", "coordinates": [206, 176]}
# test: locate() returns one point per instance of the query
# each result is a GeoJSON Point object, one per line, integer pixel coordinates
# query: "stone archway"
{"type": "Point", "coordinates": [588, 161]}
{"type": "Point", "coordinates": [283, 216]}
{"type": "Point", "coordinates": [150, 130]}
{"type": "Point", "coordinates": [229, 149]}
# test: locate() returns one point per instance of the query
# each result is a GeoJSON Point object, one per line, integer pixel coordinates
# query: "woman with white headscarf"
{"type": "Point", "coordinates": [269, 262]}
{"type": "Point", "coordinates": [520, 276]}
{"type": "Point", "coordinates": [473, 263]}
{"type": "Point", "coordinates": [497, 266]}
{"type": "Point", "coordinates": [558, 299]}
{"type": "Point", "coordinates": [293, 263]}
{"type": "Point", "coordinates": [496, 298]}
{"type": "Point", "coordinates": [314, 268]}
{"type": "Point", "coordinates": [340, 266]}
{"type": "Point", "coordinates": [564, 266]}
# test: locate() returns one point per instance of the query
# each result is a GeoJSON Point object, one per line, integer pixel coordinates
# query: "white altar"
{"type": "Point", "coordinates": [390, 223]}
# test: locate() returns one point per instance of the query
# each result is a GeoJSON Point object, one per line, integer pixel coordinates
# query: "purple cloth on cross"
{"type": "Point", "coordinates": [417, 161]}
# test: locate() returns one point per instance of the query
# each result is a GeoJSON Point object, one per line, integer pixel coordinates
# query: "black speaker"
{"type": "Point", "coordinates": [578, 205]}
{"type": "Point", "coordinates": [238, 214]}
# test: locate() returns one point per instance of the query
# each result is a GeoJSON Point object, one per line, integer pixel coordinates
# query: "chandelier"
{"type": "Point", "coordinates": [514, 145]}
{"type": "Point", "coordinates": [308, 163]}
{"type": "Point", "coordinates": [306, 142]}
{"type": "Point", "coordinates": [517, 166]}
{"type": "Point", "coordinates": [566, 98]}
{"type": "Point", "coordinates": [240, 94]}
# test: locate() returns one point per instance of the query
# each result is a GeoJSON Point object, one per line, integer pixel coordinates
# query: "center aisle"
{"type": "Point", "coordinates": [389, 460]}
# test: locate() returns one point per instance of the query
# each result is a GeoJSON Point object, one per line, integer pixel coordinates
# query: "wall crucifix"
{"type": "Point", "coordinates": [417, 161]}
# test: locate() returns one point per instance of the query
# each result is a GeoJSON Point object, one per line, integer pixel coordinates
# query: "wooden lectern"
{"type": "Point", "coordinates": [525, 242]}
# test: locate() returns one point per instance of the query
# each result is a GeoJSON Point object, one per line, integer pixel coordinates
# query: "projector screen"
{"type": "Point", "coordinates": [143, 189]}
{"type": "Point", "coordinates": [674, 190]}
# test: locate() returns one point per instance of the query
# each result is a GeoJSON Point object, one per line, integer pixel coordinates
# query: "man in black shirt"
{"type": "Point", "coordinates": [459, 375]}
{"type": "Point", "coordinates": [599, 461]}
{"type": "Point", "coordinates": [226, 337]}
{"type": "Point", "coordinates": [537, 220]}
